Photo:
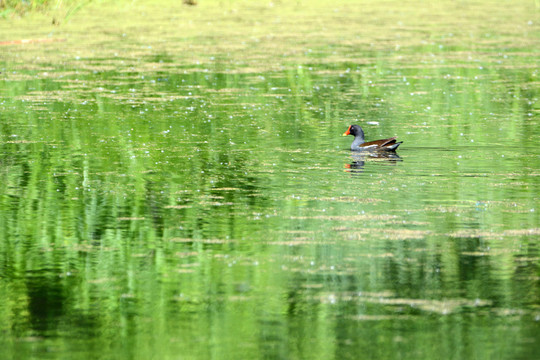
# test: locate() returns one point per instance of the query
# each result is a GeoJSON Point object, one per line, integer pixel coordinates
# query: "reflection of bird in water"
{"type": "Point", "coordinates": [359, 159]}
{"type": "Point", "coordinates": [359, 143]}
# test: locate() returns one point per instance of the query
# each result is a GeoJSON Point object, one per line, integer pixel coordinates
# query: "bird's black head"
{"type": "Point", "coordinates": [354, 130]}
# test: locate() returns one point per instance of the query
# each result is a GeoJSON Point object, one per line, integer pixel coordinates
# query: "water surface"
{"type": "Point", "coordinates": [162, 204]}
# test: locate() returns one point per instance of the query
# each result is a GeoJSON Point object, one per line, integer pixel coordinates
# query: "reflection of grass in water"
{"type": "Point", "coordinates": [78, 179]}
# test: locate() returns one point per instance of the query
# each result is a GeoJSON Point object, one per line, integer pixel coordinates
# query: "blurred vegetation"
{"type": "Point", "coordinates": [20, 7]}
{"type": "Point", "coordinates": [172, 189]}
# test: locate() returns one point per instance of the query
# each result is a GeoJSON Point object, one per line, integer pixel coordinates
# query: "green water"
{"type": "Point", "coordinates": [156, 204]}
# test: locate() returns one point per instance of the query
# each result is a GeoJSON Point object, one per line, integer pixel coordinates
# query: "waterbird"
{"type": "Point", "coordinates": [359, 143]}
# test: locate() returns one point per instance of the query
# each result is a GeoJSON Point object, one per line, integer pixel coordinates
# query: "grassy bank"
{"type": "Point", "coordinates": [10, 8]}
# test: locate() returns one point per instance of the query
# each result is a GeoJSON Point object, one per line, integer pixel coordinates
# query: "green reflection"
{"type": "Point", "coordinates": [152, 206]}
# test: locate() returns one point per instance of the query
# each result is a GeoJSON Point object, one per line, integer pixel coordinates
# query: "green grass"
{"type": "Point", "coordinates": [20, 7]}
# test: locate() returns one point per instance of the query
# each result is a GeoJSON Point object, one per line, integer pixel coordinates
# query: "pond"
{"type": "Point", "coordinates": [183, 191]}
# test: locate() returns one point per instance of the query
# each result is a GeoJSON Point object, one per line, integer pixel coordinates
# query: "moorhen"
{"type": "Point", "coordinates": [359, 144]}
